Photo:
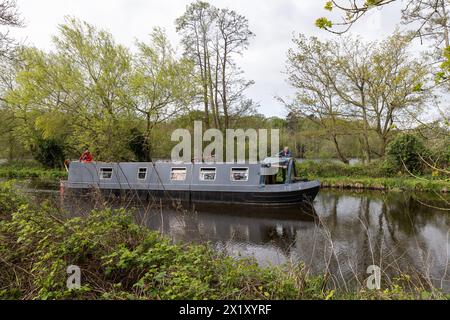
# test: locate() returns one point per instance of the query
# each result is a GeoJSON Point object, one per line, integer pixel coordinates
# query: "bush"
{"type": "Point", "coordinates": [404, 153]}
{"type": "Point", "coordinates": [50, 153]}
{"type": "Point", "coordinates": [138, 145]}
{"type": "Point", "coordinates": [440, 154]}
{"type": "Point", "coordinates": [10, 200]}
{"type": "Point", "coordinates": [31, 173]}
{"type": "Point", "coordinates": [329, 169]}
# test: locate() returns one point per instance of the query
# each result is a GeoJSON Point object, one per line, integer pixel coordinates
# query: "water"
{"type": "Point", "coordinates": [344, 234]}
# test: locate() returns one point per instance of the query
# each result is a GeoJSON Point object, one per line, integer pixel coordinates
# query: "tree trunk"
{"type": "Point", "coordinates": [147, 138]}
{"type": "Point", "coordinates": [365, 127]}
{"type": "Point", "coordinates": [216, 91]}
{"type": "Point", "coordinates": [383, 146]}
{"type": "Point", "coordinates": [224, 88]}
{"type": "Point", "coordinates": [211, 90]}
{"type": "Point", "coordinates": [445, 25]}
{"type": "Point", "coordinates": [205, 89]}
{"type": "Point", "coordinates": [338, 150]}
{"type": "Point", "coordinates": [10, 142]}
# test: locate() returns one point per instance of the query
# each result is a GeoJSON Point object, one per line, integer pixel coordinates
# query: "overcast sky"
{"type": "Point", "coordinates": [273, 21]}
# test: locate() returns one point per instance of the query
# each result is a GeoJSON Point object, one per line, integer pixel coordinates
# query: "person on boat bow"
{"type": "Point", "coordinates": [285, 154]}
{"type": "Point", "coordinates": [86, 156]}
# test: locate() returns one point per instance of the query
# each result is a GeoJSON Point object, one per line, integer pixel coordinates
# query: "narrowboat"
{"type": "Point", "coordinates": [254, 184]}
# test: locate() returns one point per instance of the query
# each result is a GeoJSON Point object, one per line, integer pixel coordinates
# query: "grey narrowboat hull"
{"type": "Point", "coordinates": [157, 184]}
{"type": "Point", "coordinates": [292, 197]}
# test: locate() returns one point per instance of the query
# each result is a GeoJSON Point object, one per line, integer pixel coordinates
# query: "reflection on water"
{"type": "Point", "coordinates": [344, 234]}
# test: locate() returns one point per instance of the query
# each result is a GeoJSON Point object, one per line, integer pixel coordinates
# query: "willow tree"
{"type": "Point", "coordinates": [161, 85]}
{"type": "Point", "coordinates": [80, 87]}
{"type": "Point", "coordinates": [41, 96]}
{"type": "Point", "coordinates": [9, 17]}
{"type": "Point", "coordinates": [104, 68]}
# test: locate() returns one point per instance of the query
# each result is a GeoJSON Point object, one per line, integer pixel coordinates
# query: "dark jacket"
{"type": "Point", "coordinates": [283, 154]}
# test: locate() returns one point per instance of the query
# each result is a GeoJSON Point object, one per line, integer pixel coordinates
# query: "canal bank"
{"type": "Point", "coordinates": [317, 254]}
{"type": "Point", "coordinates": [386, 184]}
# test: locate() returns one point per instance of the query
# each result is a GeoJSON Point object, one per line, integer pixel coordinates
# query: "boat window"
{"type": "Point", "coordinates": [142, 173]}
{"type": "Point", "coordinates": [208, 174]}
{"type": "Point", "coordinates": [178, 174]}
{"type": "Point", "coordinates": [106, 173]}
{"type": "Point", "coordinates": [239, 174]}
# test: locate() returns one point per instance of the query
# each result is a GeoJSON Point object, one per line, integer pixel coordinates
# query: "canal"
{"type": "Point", "coordinates": [344, 234]}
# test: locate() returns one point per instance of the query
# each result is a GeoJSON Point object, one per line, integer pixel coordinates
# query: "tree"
{"type": "Point", "coordinates": [139, 145]}
{"type": "Point", "coordinates": [50, 153]}
{"type": "Point", "coordinates": [161, 86]}
{"type": "Point", "coordinates": [373, 83]}
{"type": "Point", "coordinates": [429, 19]}
{"type": "Point", "coordinates": [308, 72]}
{"type": "Point", "coordinates": [396, 87]}
{"type": "Point", "coordinates": [212, 37]}
{"type": "Point", "coordinates": [234, 35]}
{"type": "Point", "coordinates": [194, 27]}
{"type": "Point", "coordinates": [36, 99]}
{"type": "Point", "coordinates": [90, 91]}
{"type": "Point", "coordinates": [9, 17]}
{"type": "Point", "coordinates": [405, 153]}
{"type": "Point", "coordinates": [100, 68]}
{"type": "Point", "coordinates": [352, 10]}
{"type": "Point", "coordinates": [78, 91]}
{"type": "Point", "coordinates": [7, 118]}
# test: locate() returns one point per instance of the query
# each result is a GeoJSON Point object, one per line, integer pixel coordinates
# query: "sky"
{"type": "Point", "coordinates": [274, 23]}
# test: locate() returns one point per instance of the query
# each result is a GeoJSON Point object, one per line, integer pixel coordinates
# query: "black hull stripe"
{"type": "Point", "coordinates": [261, 198]}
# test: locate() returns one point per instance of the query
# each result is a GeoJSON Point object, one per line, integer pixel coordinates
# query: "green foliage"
{"type": "Point", "coordinates": [445, 67]}
{"type": "Point", "coordinates": [10, 199]}
{"type": "Point", "coordinates": [405, 153]}
{"type": "Point", "coordinates": [26, 173]}
{"type": "Point", "coordinates": [398, 183]}
{"type": "Point", "coordinates": [161, 85]}
{"type": "Point", "coordinates": [324, 23]}
{"type": "Point", "coordinates": [137, 143]}
{"type": "Point", "coordinates": [329, 169]}
{"type": "Point", "coordinates": [440, 153]}
{"type": "Point", "coordinates": [30, 170]}
{"type": "Point", "coordinates": [379, 175]}
{"type": "Point", "coordinates": [50, 153]}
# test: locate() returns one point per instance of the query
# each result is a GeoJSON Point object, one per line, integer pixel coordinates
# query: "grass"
{"type": "Point", "coordinates": [370, 177]}
{"type": "Point", "coordinates": [30, 170]}
{"type": "Point", "coordinates": [398, 183]}
{"type": "Point", "coordinates": [121, 259]}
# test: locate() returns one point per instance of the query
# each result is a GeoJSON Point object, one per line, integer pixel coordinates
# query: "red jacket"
{"type": "Point", "coordinates": [86, 157]}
